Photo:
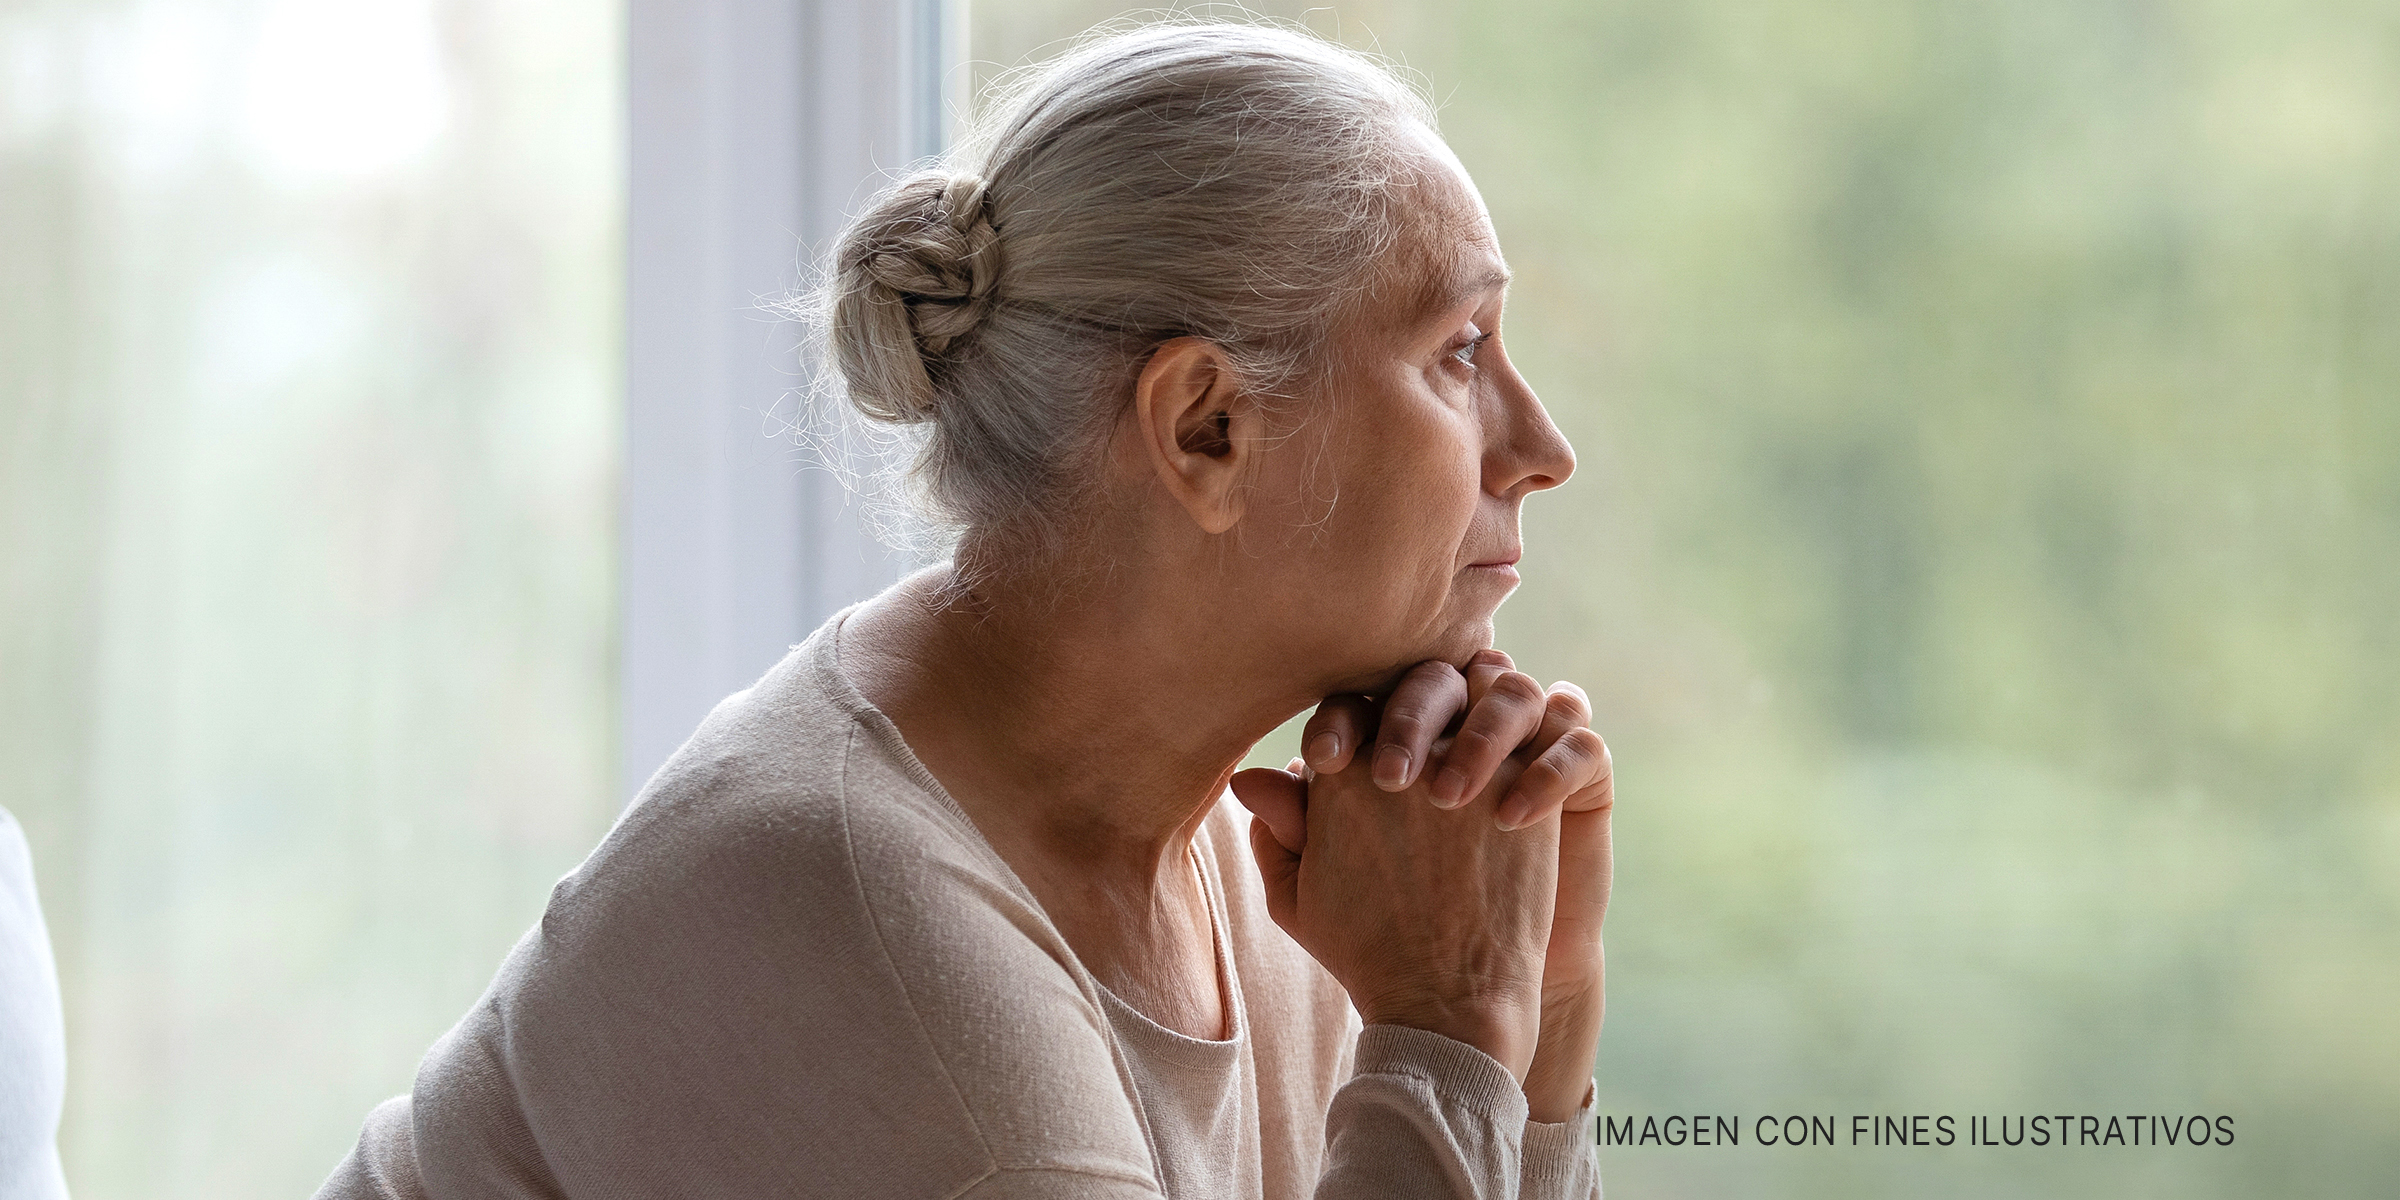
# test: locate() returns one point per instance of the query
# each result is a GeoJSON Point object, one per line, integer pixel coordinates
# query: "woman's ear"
{"type": "Point", "coordinates": [1199, 429]}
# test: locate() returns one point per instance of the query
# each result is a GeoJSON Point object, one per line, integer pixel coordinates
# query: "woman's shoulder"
{"type": "Point", "coordinates": [794, 808]}
{"type": "Point", "coordinates": [770, 765]}
{"type": "Point", "coordinates": [787, 941]}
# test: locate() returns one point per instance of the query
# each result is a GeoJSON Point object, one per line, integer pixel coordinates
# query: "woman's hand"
{"type": "Point", "coordinates": [1566, 769]}
{"type": "Point", "coordinates": [1504, 711]}
{"type": "Point", "coordinates": [1430, 917]}
{"type": "Point", "coordinates": [1573, 967]}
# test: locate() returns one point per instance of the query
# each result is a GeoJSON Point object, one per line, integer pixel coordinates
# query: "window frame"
{"type": "Point", "coordinates": [753, 128]}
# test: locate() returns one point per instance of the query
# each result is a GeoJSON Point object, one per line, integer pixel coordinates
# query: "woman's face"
{"type": "Point", "coordinates": [1400, 518]}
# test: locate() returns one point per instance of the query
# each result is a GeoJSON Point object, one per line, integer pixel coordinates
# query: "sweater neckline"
{"type": "Point", "coordinates": [825, 670]}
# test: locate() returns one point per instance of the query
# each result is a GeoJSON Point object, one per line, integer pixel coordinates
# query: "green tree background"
{"type": "Point", "coordinates": [1984, 558]}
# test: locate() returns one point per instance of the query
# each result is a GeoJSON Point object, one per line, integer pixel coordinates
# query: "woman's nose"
{"type": "Point", "coordinates": [1525, 453]}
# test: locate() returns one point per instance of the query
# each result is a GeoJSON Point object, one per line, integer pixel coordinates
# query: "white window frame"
{"type": "Point", "coordinates": [753, 128]}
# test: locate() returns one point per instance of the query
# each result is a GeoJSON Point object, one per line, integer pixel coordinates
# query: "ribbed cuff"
{"type": "Point", "coordinates": [1458, 1073]}
{"type": "Point", "coordinates": [1562, 1160]}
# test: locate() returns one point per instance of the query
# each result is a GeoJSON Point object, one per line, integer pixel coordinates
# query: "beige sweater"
{"type": "Point", "coordinates": [796, 968]}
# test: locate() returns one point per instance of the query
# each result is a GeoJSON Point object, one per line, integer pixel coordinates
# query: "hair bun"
{"type": "Point", "coordinates": [916, 274]}
{"type": "Point", "coordinates": [942, 258]}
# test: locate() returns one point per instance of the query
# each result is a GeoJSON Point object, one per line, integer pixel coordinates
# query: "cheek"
{"type": "Point", "coordinates": [1409, 516]}
{"type": "Point", "coordinates": [1368, 526]}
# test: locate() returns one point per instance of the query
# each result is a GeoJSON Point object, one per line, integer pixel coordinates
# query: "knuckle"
{"type": "Point", "coordinates": [1403, 722]}
{"type": "Point", "coordinates": [1585, 744]}
{"type": "Point", "coordinates": [1432, 673]}
{"type": "Point", "coordinates": [1475, 744]}
{"type": "Point", "coordinates": [1545, 775]}
{"type": "Point", "coordinates": [1516, 687]}
{"type": "Point", "coordinates": [1427, 697]}
{"type": "Point", "coordinates": [1568, 702]}
{"type": "Point", "coordinates": [1600, 748]}
{"type": "Point", "coordinates": [1599, 797]}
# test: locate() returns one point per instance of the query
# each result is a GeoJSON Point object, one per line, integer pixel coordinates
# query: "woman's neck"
{"type": "Point", "coordinates": [1087, 735]}
{"type": "Point", "coordinates": [1097, 728]}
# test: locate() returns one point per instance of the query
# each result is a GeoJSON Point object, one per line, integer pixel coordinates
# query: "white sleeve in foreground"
{"type": "Point", "coordinates": [33, 1043]}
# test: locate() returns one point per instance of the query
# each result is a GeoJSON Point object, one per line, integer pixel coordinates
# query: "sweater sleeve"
{"type": "Point", "coordinates": [1043, 1184]}
{"type": "Point", "coordinates": [383, 1166]}
{"type": "Point", "coordinates": [1424, 1115]}
{"type": "Point", "coordinates": [1562, 1160]}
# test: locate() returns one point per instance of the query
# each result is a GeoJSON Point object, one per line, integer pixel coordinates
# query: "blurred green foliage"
{"type": "Point", "coordinates": [1984, 558]}
{"type": "Point", "coordinates": [308, 435]}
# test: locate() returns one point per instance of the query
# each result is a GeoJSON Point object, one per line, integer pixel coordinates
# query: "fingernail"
{"type": "Point", "coordinates": [1323, 747]}
{"type": "Point", "coordinates": [1512, 811]}
{"type": "Point", "coordinates": [1391, 768]}
{"type": "Point", "coordinates": [1449, 787]}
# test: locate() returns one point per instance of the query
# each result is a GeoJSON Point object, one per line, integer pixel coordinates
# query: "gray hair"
{"type": "Point", "coordinates": [1231, 182]}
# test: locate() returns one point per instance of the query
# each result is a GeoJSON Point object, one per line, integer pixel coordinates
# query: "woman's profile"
{"type": "Point", "coordinates": [966, 896]}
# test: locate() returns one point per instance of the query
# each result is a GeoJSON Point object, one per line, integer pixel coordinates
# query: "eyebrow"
{"type": "Point", "coordinates": [1456, 290]}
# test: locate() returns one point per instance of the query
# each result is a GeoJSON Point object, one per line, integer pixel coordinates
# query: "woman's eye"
{"type": "Point", "coordinates": [1466, 353]}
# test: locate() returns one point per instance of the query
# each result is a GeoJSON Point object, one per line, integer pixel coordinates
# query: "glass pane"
{"type": "Point", "coordinates": [308, 406]}
{"type": "Point", "coordinates": [1982, 558]}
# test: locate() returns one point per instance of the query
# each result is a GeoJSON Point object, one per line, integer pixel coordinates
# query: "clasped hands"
{"type": "Point", "coordinates": [1445, 854]}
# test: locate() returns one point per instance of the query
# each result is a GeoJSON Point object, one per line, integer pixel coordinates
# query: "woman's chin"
{"type": "Point", "coordinates": [1454, 643]}
{"type": "Point", "coordinates": [1460, 640]}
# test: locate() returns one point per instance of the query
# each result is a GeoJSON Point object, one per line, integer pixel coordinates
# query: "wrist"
{"type": "Point", "coordinates": [1558, 1079]}
{"type": "Point", "coordinates": [1487, 1026]}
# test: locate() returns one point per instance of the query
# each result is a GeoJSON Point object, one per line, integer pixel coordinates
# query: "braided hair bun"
{"type": "Point", "coordinates": [912, 281]}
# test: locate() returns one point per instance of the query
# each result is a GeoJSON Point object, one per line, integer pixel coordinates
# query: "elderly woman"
{"type": "Point", "coordinates": [1202, 334]}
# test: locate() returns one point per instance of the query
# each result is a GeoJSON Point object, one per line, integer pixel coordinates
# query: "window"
{"type": "Point", "coordinates": [1981, 559]}
{"type": "Point", "coordinates": [315, 343]}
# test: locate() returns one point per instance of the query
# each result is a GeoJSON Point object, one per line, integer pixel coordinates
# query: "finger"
{"type": "Point", "coordinates": [1335, 732]}
{"type": "Point", "coordinates": [1486, 666]}
{"type": "Point", "coordinates": [1565, 707]}
{"type": "Point", "coordinates": [1419, 709]}
{"type": "Point", "coordinates": [1573, 771]}
{"type": "Point", "coordinates": [1600, 795]}
{"type": "Point", "coordinates": [1586, 872]}
{"type": "Point", "coordinates": [1279, 800]}
{"type": "Point", "coordinates": [1279, 869]}
{"type": "Point", "coordinates": [1509, 713]}
{"type": "Point", "coordinates": [1586, 869]}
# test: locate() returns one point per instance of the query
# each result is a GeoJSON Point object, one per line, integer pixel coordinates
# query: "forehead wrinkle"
{"type": "Point", "coordinates": [1450, 245]}
{"type": "Point", "coordinates": [1449, 258]}
{"type": "Point", "coordinates": [1463, 287]}
{"type": "Point", "coordinates": [1444, 255]}
{"type": "Point", "coordinates": [1458, 278]}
